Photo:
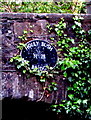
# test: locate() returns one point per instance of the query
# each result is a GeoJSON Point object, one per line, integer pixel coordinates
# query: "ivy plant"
{"type": "Point", "coordinates": [24, 67]}
{"type": "Point", "coordinates": [74, 64]}
{"type": "Point", "coordinates": [76, 68]}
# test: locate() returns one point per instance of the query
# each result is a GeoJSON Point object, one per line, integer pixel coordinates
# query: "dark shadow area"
{"type": "Point", "coordinates": [0, 109]}
{"type": "Point", "coordinates": [23, 109]}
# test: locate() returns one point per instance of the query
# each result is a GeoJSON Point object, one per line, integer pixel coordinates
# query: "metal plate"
{"type": "Point", "coordinates": [40, 54]}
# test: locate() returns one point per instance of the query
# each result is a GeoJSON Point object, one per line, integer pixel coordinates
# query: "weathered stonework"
{"type": "Point", "coordinates": [12, 25]}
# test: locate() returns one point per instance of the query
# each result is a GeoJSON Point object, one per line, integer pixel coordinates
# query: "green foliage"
{"type": "Point", "coordinates": [76, 68]}
{"type": "Point", "coordinates": [43, 7]}
{"type": "Point", "coordinates": [21, 64]}
{"type": "Point", "coordinates": [74, 64]}
{"type": "Point", "coordinates": [21, 46]}
{"type": "Point", "coordinates": [52, 87]}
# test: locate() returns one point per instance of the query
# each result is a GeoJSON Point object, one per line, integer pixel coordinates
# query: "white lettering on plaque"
{"type": "Point", "coordinates": [40, 54]}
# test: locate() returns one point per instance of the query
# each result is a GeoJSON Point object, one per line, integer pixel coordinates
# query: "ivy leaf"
{"type": "Point", "coordinates": [24, 71]}
{"type": "Point", "coordinates": [54, 106]}
{"type": "Point", "coordinates": [74, 107]}
{"type": "Point", "coordinates": [79, 111]}
{"type": "Point", "coordinates": [42, 80]}
{"type": "Point", "coordinates": [79, 101]}
{"type": "Point", "coordinates": [69, 103]}
{"type": "Point", "coordinates": [25, 32]}
{"type": "Point", "coordinates": [70, 79]}
{"type": "Point", "coordinates": [70, 88]}
{"type": "Point", "coordinates": [55, 88]}
{"type": "Point", "coordinates": [54, 83]}
{"type": "Point", "coordinates": [85, 101]}
{"type": "Point", "coordinates": [61, 105]}
{"type": "Point", "coordinates": [76, 74]}
{"type": "Point", "coordinates": [11, 60]}
{"type": "Point", "coordinates": [72, 40]}
{"type": "Point", "coordinates": [78, 23]}
{"type": "Point", "coordinates": [75, 85]}
{"type": "Point", "coordinates": [73, 26]}
{"type": "Point", "coordinates": [58, 111]}
{"type": "Point", "coordinates": [63, 68]}
{"type": "Point", "coordinates": [67, 111]}
{"type": "Point", "coordinates": [20, 37]}
{"type": "Point", "coordinates": [89, 80]}
{"type": "Point", "coordinates": [82, 31]}
{"type": "Point", "coordinates": [21, 46]}
{"type": "Point", "coordinates": [18, 66]}
{"type": "Point", "coordinates": [71, 96]}
{"type": "Point", "coordinates": [54, 110]}
{"type": "Point", "coordinates": [60, 62]}
{"type": "Point", "coordinates": [65, 74]}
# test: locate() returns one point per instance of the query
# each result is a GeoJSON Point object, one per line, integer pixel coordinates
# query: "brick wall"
{"type": "Point", "coordinates": [13, 83]}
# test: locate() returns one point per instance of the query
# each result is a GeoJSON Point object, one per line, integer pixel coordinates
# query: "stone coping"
{"type": "Point", "coordinates": [39, 15]}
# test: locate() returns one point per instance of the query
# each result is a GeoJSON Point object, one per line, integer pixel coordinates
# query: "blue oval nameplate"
{"type": "Point", "coordinates": [40, 54]}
